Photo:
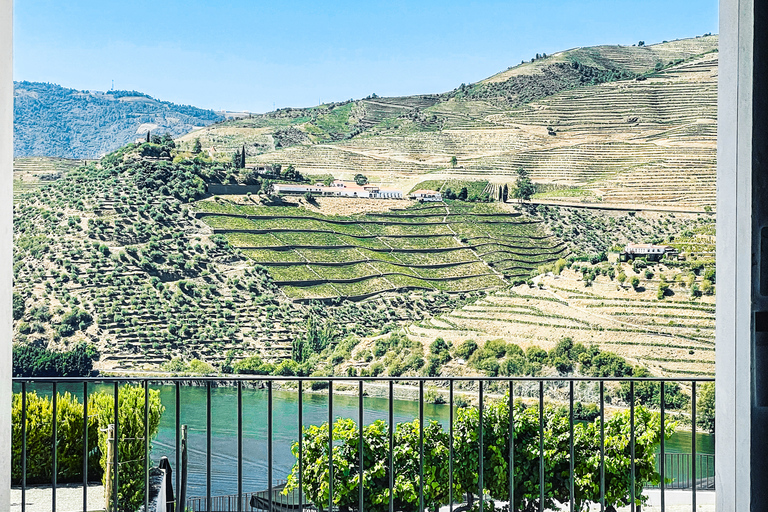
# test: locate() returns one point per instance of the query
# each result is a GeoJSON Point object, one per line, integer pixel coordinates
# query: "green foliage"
{"type": "Point", "coordinates": [705, 406]}
{"type": "Point", "coordinates": [524, 187]}
{"type": "Point", "coordinates": [69, 431]}
{"type": "Point", "coordinates": [130, 442]}
{"type": "Point", "coordinates": [253, 365]}
{"type": "Point", "coordinates": [33, 361]}
{"type": "Point", "coordinates": [466, 349]}
{"type": "Point", "coordinates": [361, 179]}
{"type": "Point", "coordinates": [495, 426]}
{"type": "Point", "coordinates": [18, 306]}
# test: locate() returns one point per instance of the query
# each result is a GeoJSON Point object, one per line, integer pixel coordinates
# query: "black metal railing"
{"type": "Point", "coordinates": [679, 469]}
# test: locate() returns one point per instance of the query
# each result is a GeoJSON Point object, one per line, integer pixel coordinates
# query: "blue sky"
{"type": "Point", "coordinates": [255, 55]}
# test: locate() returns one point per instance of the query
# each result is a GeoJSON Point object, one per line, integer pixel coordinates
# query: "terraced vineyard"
{"type": "Point", "coordinates": [452, 248]}
{"type": "Point", "coordinates": [644, 136]}
{"type": "Point", "coordinates": [671, 336]}
{"type": "Point", "coordinates": [33, 172]}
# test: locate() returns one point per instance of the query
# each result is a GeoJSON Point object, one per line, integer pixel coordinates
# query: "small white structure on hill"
{"type": "Point", "coordinates": [426, 195]}
{"type": "Point", "coordinates": [340, 188]}
{"type": "Point", "coordinates": [650, 251]}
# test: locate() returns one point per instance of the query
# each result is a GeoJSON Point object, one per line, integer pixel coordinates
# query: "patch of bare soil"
{"type": "Point", "coordinates": [352, 206]}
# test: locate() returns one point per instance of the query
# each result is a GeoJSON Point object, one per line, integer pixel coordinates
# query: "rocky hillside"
{"type": "Point", "coordinates": [50, 120]}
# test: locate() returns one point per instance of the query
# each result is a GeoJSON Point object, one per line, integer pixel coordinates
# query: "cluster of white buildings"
{"type": "Point", "coordinates": [340, 188]}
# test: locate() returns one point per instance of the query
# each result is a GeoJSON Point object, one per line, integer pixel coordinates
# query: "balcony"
{"type": "Point", "coordinates": [236, 444]}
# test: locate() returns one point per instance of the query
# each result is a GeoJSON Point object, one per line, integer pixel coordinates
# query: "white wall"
{"type": "Point", "coordinates": [734, 271]}
{"type": "Point", "coordinates": [6, 244]}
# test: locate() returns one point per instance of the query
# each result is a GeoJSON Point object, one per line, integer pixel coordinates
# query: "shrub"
{"type": "Point", "coordinates": [375, 478]}
{"type": "Point", "coordinates": [635, 282]}
{"type": "Point", "coordinates": [705, 407]}
{"type": "Point", "coordinates": [69, 431]}
{"type": "Point", "coordinates": [252, 366]}
{"type": "Point", "coordinates": [131, 433]}
{"type": "Point", "coordinates": [465, 349]}
{"type": "Point", "coordinates": [198, 366]}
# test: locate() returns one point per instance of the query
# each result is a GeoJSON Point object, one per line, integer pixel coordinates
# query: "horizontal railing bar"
{"type": "Point", "coordinates": [357, 379]}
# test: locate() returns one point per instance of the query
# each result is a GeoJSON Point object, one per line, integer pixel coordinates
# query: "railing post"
{"type": "Point", "coordinates": [116, 447]}
{"type": "Point", "coordinates": [450, 445]}
{"type": "Point", "coordinates": [480, 455]}
{"type": "Point", "coordinates": [663, 455]}
{"type": "Point", "coordinates": [391, 446]}
{"type": "Point", "coordinates": [421, 446]}
{"type": "Point", "coordinates": [23, 446]}
{"type": "Point", "coordinates": [602, 446]}
{"type": "Point", "coordinates": [572, 462]}
{"type": "Point", "coordinates": [177, 441]}
{"type": "Point", "coordinates": [146, 446]}
{"type": "Point", "coordinates": [239, 446]}
{"type": "Point", "coordinates": [693, 446]}
{"type": "Point", "coordinates": [330, 447]}
{"type": "Point", "coordinates": [511, 445]}
{"type": "Point", "coordinates": [207, 445]}
{"type": "Point", "coordinates": [361, 447]}
{"type": "Point", "coordinates": [632, 480]}
{"type": "Point", "coordinates": [109, 478]}
{"type": "Point", "coordinates": [181, 490]}
{"type": "Point", "coordinates": [301, 447]}
{"type": "Point", "coordinates": [55, 442]}
{"type": "Point", "coordinates": [269, 442]}
{"type": "Point", "coordinates": [541, 446]}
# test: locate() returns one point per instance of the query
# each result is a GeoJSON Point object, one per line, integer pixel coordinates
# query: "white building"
{"type": "Point", "coordinates": [650, 251]}
{"type": "Point", "coordinates": [426, 195]}
{"type": "Point", "coordinates": [340, 188]}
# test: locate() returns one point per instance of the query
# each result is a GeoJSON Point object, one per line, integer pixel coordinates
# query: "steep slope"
{"type": "Point", "coordinates": [622, 124]}
{"type": "Point", "coordinates": [50, 120]}
{"type": "Point", "coordinates": [111, 253]}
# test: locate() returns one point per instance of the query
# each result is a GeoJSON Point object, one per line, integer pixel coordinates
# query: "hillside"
{"type": "Point", "coordinates": [50, 120]}
{"type": "Point", "coordinates": [610, 124]}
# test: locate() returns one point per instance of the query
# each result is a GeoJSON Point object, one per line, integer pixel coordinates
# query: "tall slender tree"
{"type": "Point", "coordinates": [242, 158]}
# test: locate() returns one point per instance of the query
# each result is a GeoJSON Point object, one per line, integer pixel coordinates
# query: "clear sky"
{"type": "Point", "coordinates": [256, 55]}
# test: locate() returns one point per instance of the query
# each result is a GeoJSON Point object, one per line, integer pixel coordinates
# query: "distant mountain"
{"type": "Point", "coordinates": [50, 120]}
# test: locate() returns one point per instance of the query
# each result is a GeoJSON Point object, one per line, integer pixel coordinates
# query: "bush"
{"type": "Point", "coordinates": [375, 478]}
{"type": "Point", "coordinates": [466, 349]}
{"type": "Point", "coordinates": [705, 407]}
{"type": "Point", "coordinates": [252, 366]}
{"type": "Point", "coordinates": [131, 433]}
{"type": "Point", "coordinates": [69, 431]}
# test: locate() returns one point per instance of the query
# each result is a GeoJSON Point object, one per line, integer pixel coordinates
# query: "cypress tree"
{"type": "Point", "coordinates": [242, 158]}
{"type": "Point", "coordinates": [148, 135]}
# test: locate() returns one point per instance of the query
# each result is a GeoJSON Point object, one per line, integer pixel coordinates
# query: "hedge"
{"type": "Point", "coordinates": [69, 432]}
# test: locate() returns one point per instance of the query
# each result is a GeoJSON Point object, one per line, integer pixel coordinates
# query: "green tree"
{"type": "Point", "coordinates": [242, 158]}
{"type": "Point", "coordinates": [524, 187]}
{"type": "Point", "coordinates": [505, 193]}
{"type": "Point", "coordinates": [197, 147]}
{"type": "Point", "coordinates": [705, 407]}
{"type": "Point", "coordinates": [454, 161]}
{"type": "Point", "coordinates": [236, 159]}
{"type": "Point", "coordinates": [361, 179]}
{"type": "Point", "coordinates": [462, 196]}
